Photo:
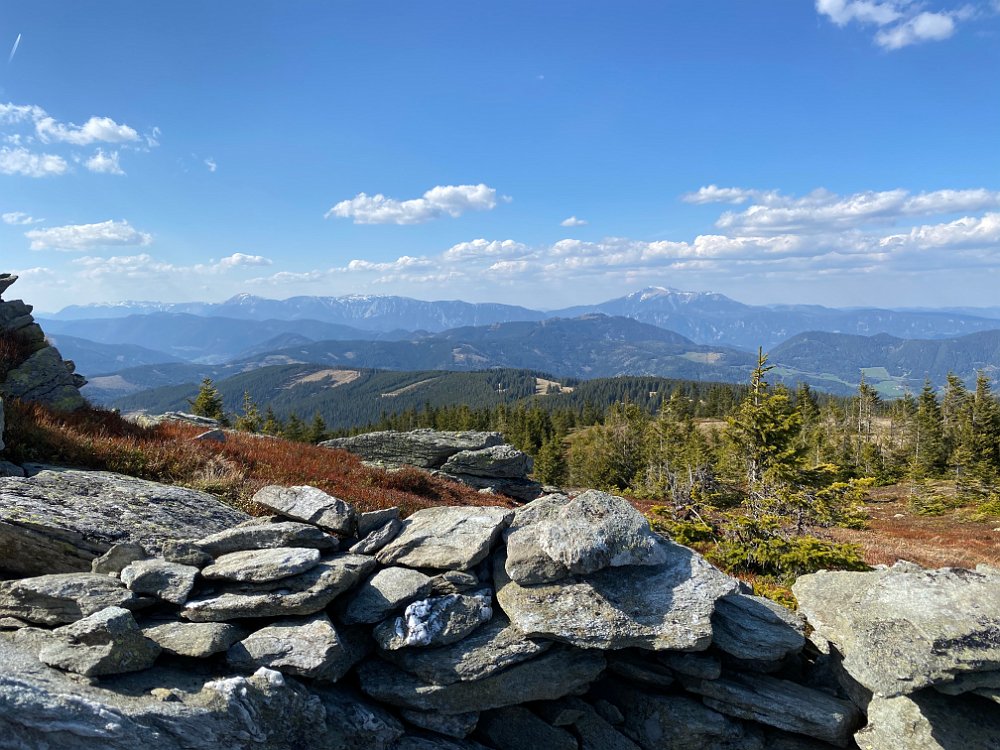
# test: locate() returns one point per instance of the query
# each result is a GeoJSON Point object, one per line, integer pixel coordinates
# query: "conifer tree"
{"type": "Point", "coordinates": [272, 425]}
{"type": "Point", "coordinates": [249, 420]}
{"type": "Point", "coordinates": [317, 430]}
{"type": "Point", "coordinates": [929, 452]}
{"type": "Point", "coordinates": [208, 402]}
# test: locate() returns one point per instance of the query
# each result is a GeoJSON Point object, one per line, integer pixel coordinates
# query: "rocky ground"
{"type": "Point", "coordinates": [565, 623]}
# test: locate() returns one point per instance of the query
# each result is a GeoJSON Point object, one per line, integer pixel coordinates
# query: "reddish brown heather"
{"type": "Point", "coordinates": [101, 440]}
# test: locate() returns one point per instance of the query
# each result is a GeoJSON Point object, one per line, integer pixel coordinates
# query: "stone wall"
{"type": "Point", "coordinates": [44, 376]}
{"type": "Point", "coordinates": [564, 624]}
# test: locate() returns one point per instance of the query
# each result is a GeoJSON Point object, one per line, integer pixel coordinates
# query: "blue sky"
{"type": "Point", "coordinates": [841, 152]}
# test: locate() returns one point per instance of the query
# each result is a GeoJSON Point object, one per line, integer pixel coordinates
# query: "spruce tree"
{"type": "Point", "coordinates": [208, 402]}
{"type": "Point", "coordinates": [930, 452]}
{"type": "Point", "coordinates": [249, 420]}
{"type": "Point", "coordinates": [317, 430]}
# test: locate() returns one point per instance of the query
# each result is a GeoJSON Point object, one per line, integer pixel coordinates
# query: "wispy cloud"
{"type": "Point", "coordinates": [13, 50]}
{"type": "Point", "coordinates": [82, 237]}
{"type": "Point", "coordinates": [94, 130]}
{"type": "Point", "coordinates": [902, 23]}
{"type": "Point", "coordinates": [146, 267]}
{"type": "Point", "coordinates": [19, 218]}
{"type": "Point", "coordinates": [573, 221]}
{"type": "Point", "coordinates": [210, 163]}
{"type": "Point", "coordinates": [106, 163]}
{"type": "Point", "coordinates": [440, 201]}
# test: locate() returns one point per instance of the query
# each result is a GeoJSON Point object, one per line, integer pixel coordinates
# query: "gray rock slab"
{"type": "Point", "coordinates": [185, 553]}
{"type": "Point", "coordinates": [663, 607]}
{"type": "Point", "coordinates": [495, 646]}
{"type": "Point", "coordinates": [434, 742]}
{"type": "Point", "coordinates": [594, 732]}
{"type": "Point", "coordinates": [375, 519]}
{"type": "Point", "coordinates": [458, 726]}
{"type": "Point", "coordinates": [446, 538]}
{"type": "Point", "coordinates": [635, 668]}
{"type": "Point", "coordinates": [195, 639]}
{"type": "Point", "coordinates": [700, 666]}
{"type": "Point", "coordinates": [165, 580]}
{"type": "Point", "coordinates": [304, 594]}
{"type": "Point", "coordinates": [59, 521]}
{"type": "Point", "coordinates": [903, 628]}
{"type": "Point", "coordinates": [265, 536]}
{"type": "Point", "coordinates": [262, 565]}
{"type": "Point", "coordinates": [309, 505]}
{"type": "Point", "coordinates": [45, 378]}
{"type": "Point", "coordinates": [383, 593]}
{"type": "Point", "coordinates": [378, 538]}
{"type": "Point", "coordinates": [118, 558]}
{"type": "Point", "coordinates": [8, 469]}
{"type": "Point", "coordinates": [679, 722]}
{"type": "Point", "coordinates": [436, 621]}
{"type": "Point", "coordinates": [104, 643]}
{"type": "Point", "coordinates": [552, 675]}
{"type": "Point", "coordinates": [517, 728]}
{"type": "Point", "coordinates": [781, 704]}
{"type": "Point", "coordinates": [453, 582]}
{"type": "Point", "coordinates": [42, 707]}
{"type": "Point", "coordinates": [310, 647]}
{"type": "Point", "coordinates": [928, 720]}
{"type": "Point", "coordinates": [551, 537]}
{"type": "Point", "coordinates": [757, 629]}
{"type": "Point", "coordinates": [425, 448]}
{"type": "Point", "coordinates": [63, 597]}
{"type": "Point", "coordinates": [495, 461]}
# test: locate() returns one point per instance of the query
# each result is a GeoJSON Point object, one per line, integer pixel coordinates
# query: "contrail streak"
{"type": "Point", "coordinates": [13, 50]}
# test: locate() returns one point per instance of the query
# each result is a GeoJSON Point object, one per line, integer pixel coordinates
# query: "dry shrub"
{"type": "Point", "coordinates": [233, 471]}
{"type": "Point", "coordinates": [14, 350]}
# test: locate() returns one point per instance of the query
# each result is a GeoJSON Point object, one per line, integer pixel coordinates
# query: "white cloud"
{"type": "Point", "coordinates": [967, 232]}
{"type": "Point", "coordinates": [925, 27]}
{"type": "Point", "coordinates": [443, 200]}
{"type": "Point", "coordinates": [822, 210]}
{"type": "Point", "coordinates": [20, 161]}
{"type": "Point", "coordinates": [106, 163]}
{"type": "Point", "coordinates": [573, 221]}
{"type": "Point", "coordinates": [210, 163]}
{"type": "Point", "coordinates": [237, 260]}
{"type": "Point", "coordinates": [94, 130]}
{"type": "Point", "coordinates": [482, 248]}
{"type": "Point", "coordinates": [86, 236]}
{"type": "Point", "coordinates": [145, 266]}
{"type": "Point", "coordinates": [716, 194]}
{"type": "Point", "coordinates": [900, 23]}
{"type": "Point", "coordinates": [19, 218]}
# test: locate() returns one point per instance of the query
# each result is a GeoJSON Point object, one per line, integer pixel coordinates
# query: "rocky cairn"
{"type": "Point", "coordinates": [564, 624]}
{"type": "Point", "coordinates": [44, 376]}
{"type": "Point", "coordinates": [479, 459]}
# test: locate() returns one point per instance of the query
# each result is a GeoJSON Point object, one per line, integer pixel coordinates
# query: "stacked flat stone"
{"type": "Point", "coordinates": [44, 376]}
{"type": "Point", "coordinates": [564, 624]}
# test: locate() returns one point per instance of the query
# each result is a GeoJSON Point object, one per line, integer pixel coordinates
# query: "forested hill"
{"type": "Point", "coordinates": [347, 398]}
{"type": "Point", "coordinates": [891, 364]}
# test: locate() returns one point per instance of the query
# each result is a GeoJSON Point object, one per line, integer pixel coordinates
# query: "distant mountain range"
{"type": "Point", "coordinates": [703, 317]}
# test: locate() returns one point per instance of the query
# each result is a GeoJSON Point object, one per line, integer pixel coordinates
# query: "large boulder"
{"type": "Point", "coordinates": [59, 521]}
{"type": "Point", "coordinates": [104, 643]}
{"type": "Point", "coordinates": [927, 720]}
{"type": "Point", "coordinates": [424, 448]}
{"type": "Point", "coordinates": [660, 607]}
{"type": "Point", "coordinates": [309, 505]}
{"type": "Point", "coordinates": [446, 537]}
{"type": "Point", "coordinates": [44, 377]}
{"type": "Point", "coordinates": [2, 426]}
{"type": "Point", "coordinates": [500, 461]}
{"type": "Point", "coordinates": [262, 565]}
{"type": "Point", "coordinates": [904, 628]}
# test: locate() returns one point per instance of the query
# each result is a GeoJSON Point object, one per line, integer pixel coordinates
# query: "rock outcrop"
{"type": "Point", "coordinates": [479, 459]}
{"type": "Point", "coordinates": [601, 636]}
{"type": "Point", "coordinates": [43, 375]}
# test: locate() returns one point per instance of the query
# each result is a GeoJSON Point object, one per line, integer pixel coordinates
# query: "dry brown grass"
{"type": "Point", "coordinates": [894, 533]}
{"type": "Point", "coordinates": [234, 471]}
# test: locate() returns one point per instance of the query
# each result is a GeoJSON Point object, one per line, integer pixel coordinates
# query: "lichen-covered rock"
{"type": "Point", "coordinates": [903, 628]}
{"type": "Point", "coordinates": [375, 519]}
{"type": "Point", "coordinates": [384, 592]}
{"type": "Point", "coordinates": [663, 607]}
{"type": "Point", "coordinates": [185, 553]}
{"type": "Point", "coordinates": [195, 639]}
{"type": "Point", "coordinates": [104, 643]}
{"type": "Point", "coordinates": [495, 646]}
{"type": "Point", "coordinates": [310, 647]}
{"type": "Point", "coordinates": [594, 731]}
{"type": "Point", "coordinates": [553, 537]}
{"type": "Point", "coordinates": [377, 539]}
{"type": "Point", "coordinates": [437, 621]}
{"type": "Point", "coordinates": [265, 536]}
{"type": "Point", "coordinates": [495, 461]}
{"type": "Point", "coordinates": [304, 594]}
{"type": "Point", "coordinates": [164, 580]}
{"type": "Point", "coordinates": [458, 726]}
{"type": "Point", "coordinates": [446, 538]}
{"type": "Point", "coordinates": [63, 597]}
{"type": "Point", "coordinates": [424, 448]}
{"type": "Point", "coordinates": [45, 378]}
{"type": "Point", "coordinates": [309, 505]}
{"type": "Point", "coordinates": [2, 426]}
{"type": "Point", "coordinates": [928, 720]}
{"type": "Point", "coordinates": [262, 565]}
{"type": "Point", "coordinates": [517, 728]}
{"type": "Point", "coordinates": [552, 675]}
{"type": "Point", "coordinates": [59, 521]}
